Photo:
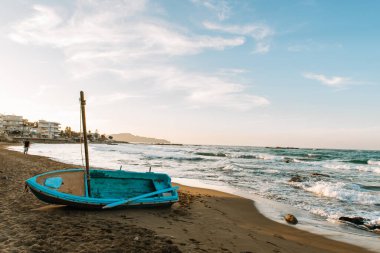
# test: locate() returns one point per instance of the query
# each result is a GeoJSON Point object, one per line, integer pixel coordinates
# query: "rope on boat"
{"type": "Point", "coordinates": [26, 189]}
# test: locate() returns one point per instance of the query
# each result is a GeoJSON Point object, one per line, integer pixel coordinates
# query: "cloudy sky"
{"type": "Point", "coordinates": [300, 73]}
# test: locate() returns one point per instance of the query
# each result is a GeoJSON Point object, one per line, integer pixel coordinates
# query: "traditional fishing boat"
{"type": "Point", "coordinates": [102, 189]}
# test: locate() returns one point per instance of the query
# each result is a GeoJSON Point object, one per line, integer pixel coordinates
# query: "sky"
{"type": "Point", "coordinates": [300, 73]}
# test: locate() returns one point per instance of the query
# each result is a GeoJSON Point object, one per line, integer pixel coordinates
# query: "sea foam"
{"type": "Point", "coordinates": [372, 162]}
{"type": "Point", "coordinates": [344, 192]}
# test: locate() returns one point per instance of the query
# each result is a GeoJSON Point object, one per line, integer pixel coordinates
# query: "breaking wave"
{"type": "Point", "coordinates": [344, 192]}
{"type": "Point", "coordinates": [247, 156]}
{"type": "Point", "coordinates": [341, 166]}
{"type": "Point", "coordinates": [211, 154]}
{"type": "Point", "coordinates": [358, 161]}
{"type": "Point", "coordinates": [369, 169]}
{"type": "Point", "coordinates": [178, 158]}
{"type": "Point", "coordinates": [371, 162]}
{"type": "Point", "coordinates": [336, 166]}
{"type": "Point", "coordinates": [370, 187]}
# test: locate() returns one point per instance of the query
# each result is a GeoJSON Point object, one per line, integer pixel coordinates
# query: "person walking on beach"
{"type": "Point", "coordinates": [26, 146]}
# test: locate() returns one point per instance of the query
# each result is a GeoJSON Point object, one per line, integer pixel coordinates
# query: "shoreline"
{"type": "Point", "coordinates": [203, 220]}
{"type": "Point", "coordinates": [275, 212]}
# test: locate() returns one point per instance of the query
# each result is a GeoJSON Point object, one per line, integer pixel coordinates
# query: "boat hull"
{"type": "Point", "coordinates": [57, 201]}
{"type": "Point", "coordinates": [108, 187]}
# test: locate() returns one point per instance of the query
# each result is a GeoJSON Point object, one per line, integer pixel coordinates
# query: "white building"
{"type": "Point", "coordinates": [13, 123]}
{"type": "Point", "coordinates": [47, 129]}
{"type": "Point", "coordinates": [1, 124]}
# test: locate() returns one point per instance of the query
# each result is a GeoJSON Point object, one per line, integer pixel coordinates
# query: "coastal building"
{"type": "Point", "coordinates": [17, 126]}
{"type": "Point", "coordinates": [13, 124]}
{"type": "Point", "coordinates": [1, 124]}
{"type": "Point", "coordinates": [48, 129]}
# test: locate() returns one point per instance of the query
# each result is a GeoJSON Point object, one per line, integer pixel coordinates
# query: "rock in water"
{"type": "Point", "coordinates": [296, 178]}
{"type": "Point", "coordinates": [354, 220]}
{"type": "Point", "coordinates": [316, 174]}
{"type": "Point", "coordinates": [373, 227]}
{"type": "Point", "coordinates": [290, 218]}
{"type": "Point", "coordinates": [362, 223]}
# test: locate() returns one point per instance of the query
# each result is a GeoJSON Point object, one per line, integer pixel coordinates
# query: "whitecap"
{"type": "Point", "coordinates": [337, 166]}
{"type": "Point", "coordinates": [373, 169]}
{"type": "Point", "coordinates": [372, 162]}
{"type": "Point", "coordinates": [344, 192]}
{"type": "Point", "coordinates": [267, 157]}
{"type": "Point", "coordinates": [270, 171]}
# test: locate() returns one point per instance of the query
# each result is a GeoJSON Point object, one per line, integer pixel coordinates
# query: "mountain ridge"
{"type": "Point", "coordinates": [128, 137]}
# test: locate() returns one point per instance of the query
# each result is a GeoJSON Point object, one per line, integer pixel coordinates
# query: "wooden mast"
{"type": "Point", "coordinates": [82, 104]}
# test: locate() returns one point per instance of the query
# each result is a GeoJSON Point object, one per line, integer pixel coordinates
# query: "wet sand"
{"type": "Point", "coordinates": [202, 221]}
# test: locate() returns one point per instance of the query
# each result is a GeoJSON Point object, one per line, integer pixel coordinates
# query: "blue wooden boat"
{"type": "Point", "coordinates": [95, 188]}
{"type": "Point", "coordinates": [109, 188]}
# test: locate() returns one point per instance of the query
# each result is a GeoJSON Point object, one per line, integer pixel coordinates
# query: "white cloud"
{"type": "Point", "coordinates": [257, 31]}
{"type": "Point", "coordinates": [220, 7]}
{"type": "Point", "coordinates": [110, 98]}
{"type": "Point", "coordinates": [261, 33]}
{"type": "Point", "coordinates": [232, 71]}
{"type": "Point", "coordinates": [197, 89]}
{"type": "Point", "coordinates": [215, 91]}
{"type": "Point", "coordinates": [120, 38]}
{"type": "Point", "coordinates": [42, 90]}
{"type": "Point", "coordinates": [333, 81]}
{"type": "Point", "coordinates": [262, 48]}
{"type": "Point", "coordinates": [109, 32]}
{"type": "Point", "coordinates": [310, 45]}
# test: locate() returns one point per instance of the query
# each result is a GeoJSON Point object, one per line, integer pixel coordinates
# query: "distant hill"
{"type": "Point", "coordinates": [140, 139]}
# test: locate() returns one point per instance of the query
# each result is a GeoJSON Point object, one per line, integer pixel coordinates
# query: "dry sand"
{"type": "Point", "coordinates": [203, 221]}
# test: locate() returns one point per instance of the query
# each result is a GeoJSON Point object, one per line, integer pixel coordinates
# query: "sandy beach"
{"type": "Point", "coordinates": [203, 221]}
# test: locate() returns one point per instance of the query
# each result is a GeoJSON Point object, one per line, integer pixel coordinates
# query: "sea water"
{"type": "Point", "coordinates": [348, 183]}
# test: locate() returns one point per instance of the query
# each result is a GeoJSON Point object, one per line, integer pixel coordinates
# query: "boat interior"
{"type": "Point", "coordinates": [70, 182]}
{"type": "Point", "coordinates": [105, 184]}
